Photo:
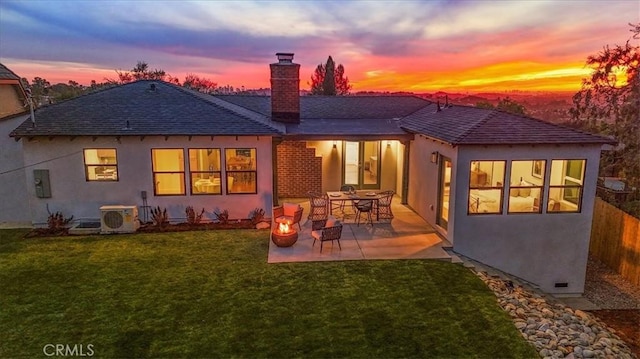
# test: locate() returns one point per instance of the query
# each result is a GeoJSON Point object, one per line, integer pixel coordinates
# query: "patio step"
{"type": "Point", "coordinates": [454, 258]}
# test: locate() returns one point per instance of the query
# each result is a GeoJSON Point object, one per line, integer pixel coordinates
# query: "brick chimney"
{"type": "Point", "coordinates": [285, 89]}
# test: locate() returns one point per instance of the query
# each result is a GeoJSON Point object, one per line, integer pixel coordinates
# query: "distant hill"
{"type": "Point", "coordinates": [548, 106]}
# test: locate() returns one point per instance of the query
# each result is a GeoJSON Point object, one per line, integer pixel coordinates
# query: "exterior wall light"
{"type": "Point", "coordinates": [434, 157]}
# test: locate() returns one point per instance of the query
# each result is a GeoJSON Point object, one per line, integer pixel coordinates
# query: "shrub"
{"type": "Point", "coordinates": [257, 215]}
{"type": "Point", "coordinates": [159, 216]}
{"type": "Point", "coordinates": [56, 223]}
{"type": "Point", "coordinates": [223, 216]}
{"type": "Point", "coordinates": [192, 217]}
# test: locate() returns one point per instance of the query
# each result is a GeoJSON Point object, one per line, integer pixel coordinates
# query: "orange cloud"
{"type": "Point", "coordinates": [523, 76]}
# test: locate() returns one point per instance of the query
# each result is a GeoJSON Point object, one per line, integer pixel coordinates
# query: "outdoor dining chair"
{"type": "Point", "coordinates": [384, 205]}
{"type": "Point", "coordinates": [318, 206]}
{"type": "Point", "coordinates": [339, 205]}
{"type": "Point", "coordinates": [364, 206]}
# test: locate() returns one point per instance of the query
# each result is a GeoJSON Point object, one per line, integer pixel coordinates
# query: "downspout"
{"type": "Point", "coordinates": [405, 172]}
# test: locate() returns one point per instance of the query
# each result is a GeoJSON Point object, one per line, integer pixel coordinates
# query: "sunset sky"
{"type": "Point", "coordinates": [418, 46]}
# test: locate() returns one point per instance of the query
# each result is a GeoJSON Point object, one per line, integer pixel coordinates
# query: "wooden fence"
{"type": "Point", "coordinates": [615, 240]}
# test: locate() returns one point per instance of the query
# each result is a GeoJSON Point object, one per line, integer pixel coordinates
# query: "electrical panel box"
{"type": "Point", "coordinates": [41, 181]}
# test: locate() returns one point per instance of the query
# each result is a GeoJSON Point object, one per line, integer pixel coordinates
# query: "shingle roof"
{"type": "Point", "coordinates": [345, 128]}
{"type": "Point", "coordinates": [465, 125]}
{"type": "Point", "coordinates": [341, 115]}
{"type": "Point", "coordinates": [136, 109]}
{"type": "Point", "coordinates": [6, 74]}
{"type": "Point", "coordinates": [338, 107]}
{"type": "Point", "coordinates": [167, 110]}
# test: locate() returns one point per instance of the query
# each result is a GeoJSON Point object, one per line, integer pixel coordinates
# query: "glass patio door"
{"type": "Point", "coordinates": [361, 164]}
{"type": "Point", "coordinates": [444, 190]}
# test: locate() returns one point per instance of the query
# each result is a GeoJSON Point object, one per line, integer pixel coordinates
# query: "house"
{"type": "Point", "coordinates": [510, 191]}
{"type": "Point", "coordinates": [14, 108]}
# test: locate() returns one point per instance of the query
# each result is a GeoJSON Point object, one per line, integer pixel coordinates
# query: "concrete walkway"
{"type": "Point", "coordinates": [406, 236]}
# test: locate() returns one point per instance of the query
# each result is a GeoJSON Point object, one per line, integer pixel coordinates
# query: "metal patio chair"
{"type": "Point", "coordinates": [384, 205]}
{"type": "Point", "coordinates": [339, 205]}
{"type": "Point", "coordinates": [364, 206]}
{"type": "Point", "coordinates": [318, 206]}
{"type": "Point", "coordinates": [327, 230]}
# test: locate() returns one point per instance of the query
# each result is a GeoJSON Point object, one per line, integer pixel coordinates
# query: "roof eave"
{"type": "Point", "coordinates": [348, 137]}
{"type": "Point", "coordinates": [462, 143]}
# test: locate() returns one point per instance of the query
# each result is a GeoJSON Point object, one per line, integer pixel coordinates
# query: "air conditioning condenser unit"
{"type": "Point", "coordinates": [119, 219]}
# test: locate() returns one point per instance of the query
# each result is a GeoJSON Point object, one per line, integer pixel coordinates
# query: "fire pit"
{"type": "Point", "coordinates": [284, 235]}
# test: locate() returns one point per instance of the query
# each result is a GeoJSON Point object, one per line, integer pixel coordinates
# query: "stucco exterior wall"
{"type": "Point", "coordinates": [14, 203]}
{"type": "Point", "coordinates": [423, 182]}
{"type": "Point", "coordinates": [332, 176]}
{"type": "Point", "coordinates": [399, 167]}
{"type": "Point", "coordinates": [544, 249]}
{"type": "Point", "coordinates": [73, 195]}
{"type": "Point", "coordinates": [389, 165]}
{"type": "Point", "coordinates": [10, 102]}
{"type": "Point", "coordinates": [331, 163]}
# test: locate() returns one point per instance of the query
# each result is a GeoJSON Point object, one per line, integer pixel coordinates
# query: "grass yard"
{"type": "Point", "coordinates": [211, 294]}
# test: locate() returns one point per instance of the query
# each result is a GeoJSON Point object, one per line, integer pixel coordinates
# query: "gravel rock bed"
{"type": "Point", "coordinates": [556, 331]}
{"type": "Point", "coordinates": [607, 289]}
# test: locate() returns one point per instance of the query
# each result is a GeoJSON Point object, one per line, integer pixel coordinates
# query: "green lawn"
{"type": "Point", "coordinates": [212, 294]}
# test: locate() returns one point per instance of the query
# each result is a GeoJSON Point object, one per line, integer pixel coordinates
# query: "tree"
{"type": "Point", "coordinates": [506, 105]}
{"type": "Point", "coordinates": [60, 91]}
{"type": "Point", "coordinates": [198, 83]}
{"type": "Point", "coordinates": [342, 82]}
{"type": "Point", "coordinates": [329, 80]}
{"type": "Point", "coordinates": [317, 78]}
{"type": "Point", "coordinates": [39, 91]}
{"type": "Point", "coordinates": [609, 103]}
{"type": "Point", "coordinates": [485, 104]}
{"type": "Point", "coordinates": [140, 72]}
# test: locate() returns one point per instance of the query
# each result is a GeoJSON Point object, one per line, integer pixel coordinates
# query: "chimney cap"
{"type": "Point", "coordinates": [285, 57]}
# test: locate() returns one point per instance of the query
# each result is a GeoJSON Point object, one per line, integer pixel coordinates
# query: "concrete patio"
{"type": "Point", "coordinates": [407, 236]}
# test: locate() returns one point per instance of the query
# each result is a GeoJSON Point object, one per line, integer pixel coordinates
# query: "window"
{"type": "Point", "coordinates": [204, 170]}
{"type": "Point", "coordinates": [486, 180]}
{"type": "Point", "coordinates": [100, 164]}
{"type": "Point", "coordinates": [168, 171]}
{"type": "Point", "coordinates": [241, 170]}
{"type": "Point", "coordinates": [526, 186]}
{"type": "Point", "coordinates": [565, 185]}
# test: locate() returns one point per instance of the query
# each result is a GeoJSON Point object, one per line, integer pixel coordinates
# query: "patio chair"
{"type": "Point", "coordinates": [339, 205]}
{"type": "Point", "coordinates": [364, 206]}
{"type": "Point", "coordinates": [290, 213]}
{"type": "Point", "coordinates": [328, 230]}
{"type": "Point", "coordinates": [384, 205]}
{"type": "Point", "coordinates": [318, 206]}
